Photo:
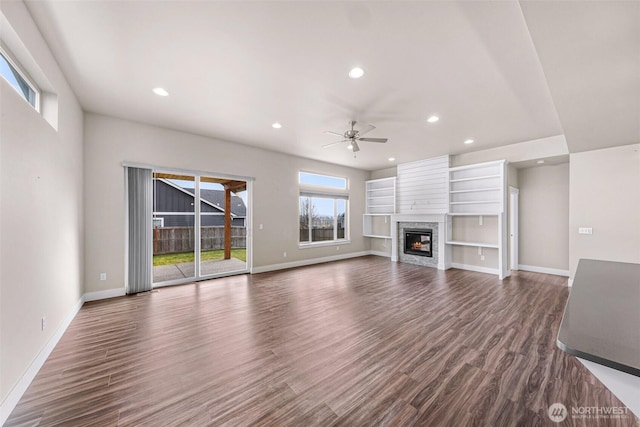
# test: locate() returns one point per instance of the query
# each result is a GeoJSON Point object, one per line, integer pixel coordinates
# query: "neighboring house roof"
{"type": "Point", "coordinates": [216, 199]}
{"type": "Point", "coordinates": [213, 198]}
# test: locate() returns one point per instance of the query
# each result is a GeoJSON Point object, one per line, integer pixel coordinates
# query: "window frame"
{"type": "Point", "coordinates": [311, 191]}
{"type": "Point", "coordinates": [6, 54]}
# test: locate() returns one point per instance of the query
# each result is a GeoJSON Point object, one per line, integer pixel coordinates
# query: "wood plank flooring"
{"type": "Point", "coordinates": [357, 342]}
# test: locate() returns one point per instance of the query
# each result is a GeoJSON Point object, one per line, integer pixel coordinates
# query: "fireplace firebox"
{"type": "Point", "coordinates": [418, 242]}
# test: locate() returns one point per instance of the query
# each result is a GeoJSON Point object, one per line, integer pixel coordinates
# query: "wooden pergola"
{"type": "Point", "coordinates": [229, 186]}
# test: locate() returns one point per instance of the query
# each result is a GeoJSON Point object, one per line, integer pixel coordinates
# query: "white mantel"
{"type": "Point", "coordinates": [444, 259]}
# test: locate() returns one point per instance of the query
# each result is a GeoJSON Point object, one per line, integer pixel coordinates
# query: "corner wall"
{"type": "Point", "coordinates": [605, 195]}
{"type": "Point", "coordinates": [41, 214]}
{"type": "Point", "coordinates": [111, 141]}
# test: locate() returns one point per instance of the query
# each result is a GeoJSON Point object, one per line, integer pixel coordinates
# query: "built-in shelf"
{"type": "Point", "coordinates": [380, 205]}
{"type": "Point", "coordinates": [474, 202]}
{"type": "Point", "coordinates": [474, 178]}
{"type": "Point", "coordinates": [377, 236]}
{"type": "Point", "coordinates": [474, 244]}
{"type": "Point", "coordinates": [472, 214]}
{"type": "Point", "coordinates": [477, 191]}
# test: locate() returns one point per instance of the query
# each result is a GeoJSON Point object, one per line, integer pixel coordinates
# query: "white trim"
{"type": "Point", "coordinates": [23, 383]}
{"type": "Point", "coordinates": [186, 171]}
{"type": "Point", "coordinates": [570, 282]}
{"type": "Point", "coordinates": [476, 268]}
{"type": "Point", "coordinates": [301, 263]}
{"type": "Point", "coordinates": [322, 243]}
{"type": "Point", "coordinates": [544, 270]}
{"type": "Point", "coordinates": [107, 293]}
{"type": "Point", "coordinates": [380, 253]}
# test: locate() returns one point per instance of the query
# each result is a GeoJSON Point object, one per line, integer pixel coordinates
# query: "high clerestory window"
{"type": "Point", "coordinates": [12, 73]}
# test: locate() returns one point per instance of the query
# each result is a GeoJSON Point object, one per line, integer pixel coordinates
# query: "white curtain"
{"type": "Point", "coordinates": [140, 198]}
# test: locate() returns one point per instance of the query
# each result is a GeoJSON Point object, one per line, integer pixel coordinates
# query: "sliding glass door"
{"type": "Point", "coordinates": [199, 227]}
{"type": "Point", "coordinates": [173, 227]}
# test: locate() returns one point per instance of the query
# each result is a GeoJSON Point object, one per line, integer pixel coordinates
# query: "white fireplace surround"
{"type": "Point", "coordinates": [444, 257]}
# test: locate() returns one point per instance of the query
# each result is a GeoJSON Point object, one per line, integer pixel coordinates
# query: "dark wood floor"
{"type": "Point", "coordinates": [357, 342]}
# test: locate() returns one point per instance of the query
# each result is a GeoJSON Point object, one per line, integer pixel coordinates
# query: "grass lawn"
{"type": "Point", "coordinates": [170, 259]}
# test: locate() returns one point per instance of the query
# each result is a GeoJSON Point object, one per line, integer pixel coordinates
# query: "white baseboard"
{"type": "Point", "coordinates": [380, 253]}
{"type": "Point", "coordinates": [544, 270]}
{"type": "Point", "coordinates": [18, 390]}
{"type": "Point", "coordinates": [475, 268]}
{"type": "Point", "coordinates": [109, 293]}
{"type": "Point", "coordinates": [302, 263]}
{"type": "Point", "coordinates": [570, 282]}
{"type": "Point", "coordinates": [14, 396]}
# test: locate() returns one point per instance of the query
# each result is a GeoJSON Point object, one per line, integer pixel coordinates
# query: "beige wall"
{"type": "Point", "coordinates": [544, 216]}
{"type": "Point", "coordinates": [384, 173]}
{"type": "Point", "coordinates": [41, 214]}
{"type": "Point", "coordinates": [605, 195]}
{"type": "Point", "coordinates": [110, 141]}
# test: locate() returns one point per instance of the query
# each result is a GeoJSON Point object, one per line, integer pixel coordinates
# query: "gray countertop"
{"type": "Point", "coordinates": [601, 321]}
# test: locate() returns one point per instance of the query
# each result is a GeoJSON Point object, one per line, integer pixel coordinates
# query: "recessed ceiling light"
{"type": "Point", "coordinates": [276, 125]}
{"type": "Point", "coordinates": [469, 141]}
{"type": "Point", "coordinates": [540, 162]}
{"type": "Point", "coordinates": [433, 119]}
{"type": "Point", "coordinates": [356, 73]}
{"type": "Point", "coordinates": [160, 91]}
{"type": "Point", "coordinates": [392, 159]}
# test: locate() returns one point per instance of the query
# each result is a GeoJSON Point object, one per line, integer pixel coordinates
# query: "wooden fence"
{"type": "Point", "coordinates": [171, 240]}
{"type": "Point", "coordinates": [320, 234]}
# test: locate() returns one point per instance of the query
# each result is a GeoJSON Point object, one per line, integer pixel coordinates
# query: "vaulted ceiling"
{"type": "Point", "coordinates": [496, 72]}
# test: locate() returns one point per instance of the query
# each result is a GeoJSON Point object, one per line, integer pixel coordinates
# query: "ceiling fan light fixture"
{"type": "Point", "coordinates": [356, 73]}
{"type": "Point", "coordinates": [433, 119]}
{"type": "Point", "coordinates": [350, 147]}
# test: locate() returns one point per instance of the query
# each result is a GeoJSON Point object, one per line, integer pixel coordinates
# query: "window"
{"type": "Point", "coordinates": [314, 179]}
{"type": "Point", "coordinates": [16, 78]}
{"type": "Point", "coordinates": [323, 209]}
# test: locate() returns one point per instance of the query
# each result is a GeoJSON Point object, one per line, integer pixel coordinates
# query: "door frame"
{"type": "Point", "coordinates": [514, 195]}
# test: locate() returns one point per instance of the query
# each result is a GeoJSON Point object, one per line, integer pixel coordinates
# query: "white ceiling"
{"type": "Point", "coordinates": [487, 69]}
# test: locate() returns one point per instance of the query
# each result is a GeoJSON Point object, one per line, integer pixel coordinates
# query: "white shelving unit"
{"type": "Point", "coordinates": [479, 191]}
{"type": "Point", "coordinates": [380, 205]}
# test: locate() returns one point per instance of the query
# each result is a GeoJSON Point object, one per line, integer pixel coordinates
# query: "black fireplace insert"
{"type": "Point", "coordinates": [418, 242]}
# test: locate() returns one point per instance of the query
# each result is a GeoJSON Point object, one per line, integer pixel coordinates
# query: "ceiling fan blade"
{"type": "Point", "coordinates": [368, 127]}
{"type": "Point", "coordinates": [355, 147]}
{"type": "Point", "coordinates": [373, 139]}
{"type": "Point", "coordinates": [333, 143]}
{"type": "Point", "coordinates": [333, 133]}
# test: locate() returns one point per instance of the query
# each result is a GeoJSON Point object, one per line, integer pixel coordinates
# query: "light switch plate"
{"type": "Point", "coordinates": [585, 230]}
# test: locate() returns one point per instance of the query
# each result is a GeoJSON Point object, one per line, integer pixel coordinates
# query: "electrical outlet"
{"type": "Point", "coordinates": [337, 248]}
{"type": "Point", "coordinates": [284, 254]}
{"type": "Point", "coordinates": [261, 226]}
{"type": "Point", "coordinates": [103, 276]}
{"type": "Point", "coordinates": [44, 322]}
{"type": "Point", "coordinates": [481, 257]}
{"type": "Point", "coordinates": [585, 230]}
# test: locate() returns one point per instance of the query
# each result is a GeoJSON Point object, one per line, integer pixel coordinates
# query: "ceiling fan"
{"type": "Point", "coordinates": [353, 136]}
